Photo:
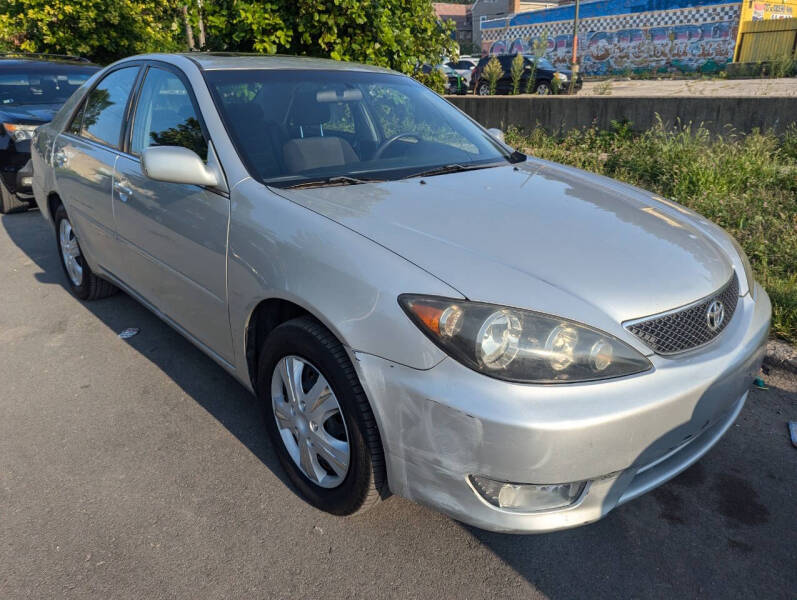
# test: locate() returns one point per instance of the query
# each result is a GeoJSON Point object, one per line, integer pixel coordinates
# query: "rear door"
{"type": "Point", "coordinates": [84, 157]}
{"type": "Point", "coordinates": [173, 237]}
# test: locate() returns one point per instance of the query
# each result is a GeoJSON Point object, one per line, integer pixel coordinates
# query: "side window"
{"type": "Point", "coordinates": [77, 121]}
{"type": "Point", "coordinates": [104, 110]}
{"type": "Point", "coordinates": [165, 116]}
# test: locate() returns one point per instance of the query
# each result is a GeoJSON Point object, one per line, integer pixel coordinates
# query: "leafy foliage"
{"type": "Point", "coordinates": [744, 183]}
{"type": "Point", "coordinates": [102, 30]}
{"type": "Point", "coordinates": [539, 47]}
{"type": "Point", "coordinates": [435, 80]}
{"type": "Point", "coordinates": [518, 66]}
{"type": "Point", "coordinates": [399, 34]}
{"type": "Point", "coordinates": [492, 72]}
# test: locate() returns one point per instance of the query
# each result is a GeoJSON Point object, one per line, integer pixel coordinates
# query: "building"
{"type": "Point", "coordinates": [618, 36]}
{"type": "Point", "coordinates": [461, 15]}
{"type": "Point", "coordinates": [483, 10]}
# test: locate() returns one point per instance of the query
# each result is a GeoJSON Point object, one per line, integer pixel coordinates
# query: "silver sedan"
{"type": "Point", "coordinates": [418, 308]}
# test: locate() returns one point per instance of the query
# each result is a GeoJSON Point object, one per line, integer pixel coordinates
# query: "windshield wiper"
{"type": "Point", "coordinates": [337, 180]}
{"type": "Point", "coordinates": [453, 168]}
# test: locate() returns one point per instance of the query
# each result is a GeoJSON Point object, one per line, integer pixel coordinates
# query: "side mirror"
{"type": "Point", "coordinates": [176, 164]}
{"type": "Point", "coordinates": [497, 134]}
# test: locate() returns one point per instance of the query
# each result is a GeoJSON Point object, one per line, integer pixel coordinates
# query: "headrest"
{"type": "Point", "coordinates": [307, 110]}
{"type": "Point", "coordinates": [246, 113]}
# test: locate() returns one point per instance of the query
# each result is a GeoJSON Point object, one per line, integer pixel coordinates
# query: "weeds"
{"type": "Point", "coordinates": [604, 88]}
{"type": "Point", "coordinates": [745, 183]}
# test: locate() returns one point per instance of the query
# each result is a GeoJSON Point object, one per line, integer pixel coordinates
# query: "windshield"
{"type": "Point", "coordinates": [543, 63]}
{"type": "Point", "coordinates": [299, 126]}
{"type": "Point", "coordinates": [41, 84]}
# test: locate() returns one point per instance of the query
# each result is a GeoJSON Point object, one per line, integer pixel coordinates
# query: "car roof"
{"type": "Point", "coordinates": [22, 59]}
{"type": "Point", "coordinates": [211, 61]}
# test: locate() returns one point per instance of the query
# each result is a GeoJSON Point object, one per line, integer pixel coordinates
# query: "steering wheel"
{"type": "Point", "coordinates": [390, 141]}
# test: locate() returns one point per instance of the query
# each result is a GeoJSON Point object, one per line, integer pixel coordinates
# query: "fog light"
{"type": "Point", "coordinates": [26, 181]}
{"type": "Point", "coordinates": [526, 497]}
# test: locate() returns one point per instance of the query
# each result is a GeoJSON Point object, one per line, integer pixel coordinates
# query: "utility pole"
{"type": "Point", "coordinates": [574, 65]}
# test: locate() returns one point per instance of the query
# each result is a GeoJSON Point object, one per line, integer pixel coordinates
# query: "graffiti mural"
{"type": "Point", "coordinates": [697, 39]}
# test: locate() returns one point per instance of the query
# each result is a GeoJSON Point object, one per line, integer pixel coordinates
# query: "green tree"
{"type": "Point", "coordinates": [492, 73]}
{"type": "Point", "coordinates": [435, 80]}
{"type": "Point", "coordinates": [399, 34]}
{"type": "Point", "coordinates": [518, 66]}
{"type": "Point", "coordinates": [103, 30]}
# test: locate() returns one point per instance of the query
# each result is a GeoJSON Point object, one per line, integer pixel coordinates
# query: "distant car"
{"type": "Point", "coordinates": [32, 89]}
{"type": "Point", "coordinates": [464, 67]}
{"type": "Point", "coordinates": [544, 76]}
{"type": "Point", "coordinates": [455, 83]}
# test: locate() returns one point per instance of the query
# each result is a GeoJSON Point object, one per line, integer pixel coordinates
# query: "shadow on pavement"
{"type": "Point", "coordinates": [198, 376]}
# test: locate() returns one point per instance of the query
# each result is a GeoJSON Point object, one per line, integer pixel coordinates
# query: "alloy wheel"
{"type": "Point", "coordinates": [310, 421]}
{"type": "Point", "coordinates": [70, 252]}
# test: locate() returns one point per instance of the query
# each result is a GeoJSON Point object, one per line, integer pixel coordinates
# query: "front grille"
{"type": "Point", "coordinates": [688, 327]}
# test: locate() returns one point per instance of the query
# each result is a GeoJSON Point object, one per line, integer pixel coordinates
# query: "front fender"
{"type": "Point", "coordinates": [278, 249]}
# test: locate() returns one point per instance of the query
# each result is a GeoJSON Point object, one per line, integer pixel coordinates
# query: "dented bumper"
{"type": "Point", "coordinates": [622, 437]}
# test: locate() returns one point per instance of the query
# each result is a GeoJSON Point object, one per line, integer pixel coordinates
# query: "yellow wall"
{"type": "Point", "coordinates": [766, 30]}
{"type": "Point", "coordinates": [766, 40]}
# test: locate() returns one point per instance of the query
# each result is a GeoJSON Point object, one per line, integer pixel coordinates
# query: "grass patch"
{"type": "Point", "coordinates": [745, 183]}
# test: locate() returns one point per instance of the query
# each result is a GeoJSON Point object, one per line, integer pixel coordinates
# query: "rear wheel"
{"type": "Point", "coordinates": [483, 89]}
{"type": "Point", "coordinates": [82, 282]}
{"type": "Point", "coordinates": [9, 202]}
{"type": "Point", "coordinates": [318, 418]}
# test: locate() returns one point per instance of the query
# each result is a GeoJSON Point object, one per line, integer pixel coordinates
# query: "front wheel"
{"type": "Point", "coordinates": [543, 88]}
{"type": "Point", "coordinates": [319, 419]}
{"type": "Point", "coordinates": [483, 89]}
{"type": "Point", "coordinates": [82, 282]}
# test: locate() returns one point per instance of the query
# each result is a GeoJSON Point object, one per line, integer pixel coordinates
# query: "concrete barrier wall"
{"type": "Point", "coordinates": [562, 113]}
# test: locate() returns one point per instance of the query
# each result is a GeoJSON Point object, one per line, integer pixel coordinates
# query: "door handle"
{"type": "Point", "coordinates": [122, 191]}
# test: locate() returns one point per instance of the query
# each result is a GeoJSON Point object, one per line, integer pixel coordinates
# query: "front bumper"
{"type": "Point", "coordinates": [17, 172]}
{"type": "Point", "coordinates": [625, 436]}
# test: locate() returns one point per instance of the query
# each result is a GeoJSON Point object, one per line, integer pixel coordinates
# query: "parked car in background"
{"type": "Point", "coordinates": [417, 307]}
{"type": "Point", "coordinates": [544, 76]}
{"type": "Point", "coordinates": [464, 67]}
{"type": "Point", "coordinates": [455, 84]}
{"type": "Point", "coordinates": [32, 88]}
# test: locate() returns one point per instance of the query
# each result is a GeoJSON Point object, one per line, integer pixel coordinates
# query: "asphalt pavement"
{"type": "Point", "coordinates": [139, 469]}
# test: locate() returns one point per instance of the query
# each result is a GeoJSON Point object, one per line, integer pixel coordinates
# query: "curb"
{"type": "Point", "coordinates": [781, 355]}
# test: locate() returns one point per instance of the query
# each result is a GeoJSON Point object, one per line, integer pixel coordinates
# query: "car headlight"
{"type": "Point", "coordinates": [560, 76]}
{"type": "Point", "coordinates": [19, 133]}
{"type": "Point", "coordinates": [521, 345]}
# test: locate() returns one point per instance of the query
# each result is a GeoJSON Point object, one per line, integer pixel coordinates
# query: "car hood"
{"type": "Point", "coordinates": [32, 113]}
{"type": "Point", "coordinates": [538, 236]}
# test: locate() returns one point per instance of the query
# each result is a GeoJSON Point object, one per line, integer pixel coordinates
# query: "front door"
{"type": "Point", "coordinates": [173, 236]}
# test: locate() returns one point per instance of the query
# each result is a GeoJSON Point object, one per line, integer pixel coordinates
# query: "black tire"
{"type": "Point", "coordinates": [365, 480]}
{"type": "Point", "coordinates": [9, 202]}
{"type": "Point", "coordinates": [90, 287]}
{"type": "Point", "coordinates": [543, 88]}
{"type": "Point", "coordinates": [483, 89]}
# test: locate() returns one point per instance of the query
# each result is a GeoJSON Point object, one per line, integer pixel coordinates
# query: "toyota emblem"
{"type": "Point", "coordinates": [715, 315]}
